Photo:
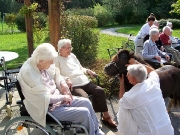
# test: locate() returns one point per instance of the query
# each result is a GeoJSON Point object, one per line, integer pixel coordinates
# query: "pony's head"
{"type": "Point", "coordinates": [118, 63]}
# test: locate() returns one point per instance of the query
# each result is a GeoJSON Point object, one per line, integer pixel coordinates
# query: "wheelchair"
{"type": "Point", "coordinates": [8, 83]}
{"type": "Point", "coordinates": [25, 125]}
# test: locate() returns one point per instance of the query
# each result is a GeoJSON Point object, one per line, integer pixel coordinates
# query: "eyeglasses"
{"type": "Point", "coordinates": [68, 48]}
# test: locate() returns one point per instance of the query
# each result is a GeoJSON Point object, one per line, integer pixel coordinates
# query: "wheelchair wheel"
{"type": "Point", "coordinates": [25, 125]}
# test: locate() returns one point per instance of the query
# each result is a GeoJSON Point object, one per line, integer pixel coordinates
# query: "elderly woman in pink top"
{"type": "Point", "coordinates": [43, 85]}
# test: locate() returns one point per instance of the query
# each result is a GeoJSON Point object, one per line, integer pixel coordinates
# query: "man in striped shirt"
{"type": "Point", "coordinates": [151, 53]}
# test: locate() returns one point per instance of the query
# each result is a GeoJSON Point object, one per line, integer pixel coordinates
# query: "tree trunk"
{"type": "Point", "coordinates": [54, 21]}
{"type": "Point", "coordinates": [29, 30]}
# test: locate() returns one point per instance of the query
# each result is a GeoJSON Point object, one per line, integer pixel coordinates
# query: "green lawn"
{"type": "Point", "coordinates": [134, 29]}
{"type": "Point", "coordinates": [129, 29]}
{"type": "Point", "coordinates": [4, 28]}
{"type": "Point", "coordinates": [110, 42]}
{"type": "Point", "coordinates": [17, 42]}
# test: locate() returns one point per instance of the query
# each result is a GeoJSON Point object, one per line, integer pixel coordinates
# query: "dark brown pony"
{"type": "Point", "coordinates": [168, 74]}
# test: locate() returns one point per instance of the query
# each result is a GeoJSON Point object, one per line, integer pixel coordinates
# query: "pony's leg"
{"type": "Point", "coordinates": [170, 104]}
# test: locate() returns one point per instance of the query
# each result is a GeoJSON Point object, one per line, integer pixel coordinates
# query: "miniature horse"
{"type": "Point", "coordinates": [168, 74]}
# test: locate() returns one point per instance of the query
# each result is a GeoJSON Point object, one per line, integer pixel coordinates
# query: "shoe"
{"type": "Point", "coordinates": [100, 132]}
{"type": "Point", "coordinates": [106, 120]}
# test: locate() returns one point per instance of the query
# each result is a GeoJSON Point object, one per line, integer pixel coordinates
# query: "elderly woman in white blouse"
{"type": "Point", "coordinates": [76, 78]}
{"type": "Point", "coordinates": [43, 85]}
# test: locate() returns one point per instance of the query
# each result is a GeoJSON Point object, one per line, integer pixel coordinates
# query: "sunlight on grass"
{"type": "Point", "coordinates": [129, 30]}
{"type": "Point", "coordinates": [17, 42]}
{"type": "Point", "coordinates": [106, 42]}
{"type": "Point", "coordinates": [136, 28]}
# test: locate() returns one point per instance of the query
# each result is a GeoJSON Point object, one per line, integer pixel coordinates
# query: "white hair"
{"type": "Point", "coordinates": [156, 22]}
{"type": "Point", "coordinates": [138, 71]}
{"type": "Point", "coordinates": [166, 27]}
{"type": "Point", "coordinates": [44, 51]}
{"type": "Point", "coordinates": [153, 31]}
{"type": "Point", "coordinates": [153, 26]}
{"type": "Point", "coordinates": [169, 24]}
{"type": "Point", "coordinates": [62, 43]}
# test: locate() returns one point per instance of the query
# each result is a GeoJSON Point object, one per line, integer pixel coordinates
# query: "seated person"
{"type": "Point", "coordinates": [77, 79]}
{"type": "Point", "coordinates": [167, 44]}
{"type": "Point", "coordinates": [138, 40]}
{"type": "Point", "coordinates": [158, 42]}
{"type": "Point", "coordinates": [175, 43]}
{"type": "Point", "coordinates": [42, 85]}
{"type": "Point", "coordinates": [151, 53]}
{"type": "Point", "coordinates": [138, 113]}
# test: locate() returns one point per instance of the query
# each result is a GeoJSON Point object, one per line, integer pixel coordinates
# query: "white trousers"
{"type": "Point", "coordinates": [80, 111]}
{"type": "Point", "coordinates": [138, 46]}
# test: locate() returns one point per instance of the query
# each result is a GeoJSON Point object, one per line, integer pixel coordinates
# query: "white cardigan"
{"type": "Point", "coordinates": [71, 68]}
{"type": "Point", "coordinates": [37, 96]}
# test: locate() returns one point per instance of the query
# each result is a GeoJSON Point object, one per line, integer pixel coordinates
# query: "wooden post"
{"type": "Point", "coordinates": [54, 21]}
{"type": "Point", "coordinates": [29, 30]}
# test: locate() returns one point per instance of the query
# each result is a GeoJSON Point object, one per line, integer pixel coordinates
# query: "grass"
{"type": "Point", "coordinates": [129, 30]}
{"type": "Point", "coordinates": [17, 42]}
{"type": "Point", "coordinates": [110, 42]}
{"type": "Point", "coordinates": [134, 29]}
{"type": "Point", "coordinates": [5, 28]}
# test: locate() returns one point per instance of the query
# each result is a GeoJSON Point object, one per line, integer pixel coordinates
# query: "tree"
{"type": "Point", "coordinates": [176, 7]}
{"type": "Point", "coordinates": [9, 6]}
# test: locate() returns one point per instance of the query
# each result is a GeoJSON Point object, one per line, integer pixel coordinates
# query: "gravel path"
{"type": "Point", "coordinates": [112, 31]}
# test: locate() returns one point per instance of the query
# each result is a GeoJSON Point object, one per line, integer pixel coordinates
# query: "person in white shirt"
{"type": "Point", "coordinates": [142, 109]}
{"type": "Point", "coordinates": [138, 41]}
{"type": "Point", "coordinates": [76, 77]}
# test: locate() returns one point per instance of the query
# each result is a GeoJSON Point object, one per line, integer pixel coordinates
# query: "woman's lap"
{"type": "Point", "coordinates": [69, 112]}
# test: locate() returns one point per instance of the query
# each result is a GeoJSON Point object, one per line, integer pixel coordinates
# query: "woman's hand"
{"type": "Point", "coordinates": [91, 73]}
{"type": "Point", "coordinates": [69, 83]}
{"type": "Point", "coordinates": [68, 99]}
{"type": "Point", "coordinates": [64, 88]}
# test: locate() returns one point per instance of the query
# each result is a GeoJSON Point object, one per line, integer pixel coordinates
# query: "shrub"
{"type": "Point", "coordinates": [80, 11]}
{"type": "Point", "coordinates": [38, 17]}
{"type": "Point", "coordinates": [84, 39]}
{"type": "Point", "coordinates": [175, 22]}
{"type": "Point", "coordinates": [103, 16]}
{"type": "Point", "coordinates": [20, 22]}
{"type": "Point", "coordinates": [10, 20]}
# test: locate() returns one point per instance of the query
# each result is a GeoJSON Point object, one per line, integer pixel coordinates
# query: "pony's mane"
{"type": "Point", "coordinates": [130, 55]}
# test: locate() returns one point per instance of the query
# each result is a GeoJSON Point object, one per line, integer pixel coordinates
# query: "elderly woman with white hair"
{"type": "Point", "coordinates": [151, 53]}
{"type": "Point", "coordinates": [76, 78]}
{"type": "Point", "coordinates": [167, 42]}
{"type": "Point", "coordinates": [45, 89]}
{"type": "Point", "coordinates": [138, 113]}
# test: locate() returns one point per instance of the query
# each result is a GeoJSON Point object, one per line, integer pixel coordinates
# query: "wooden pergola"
{"type": "Point", "coordinates": [54, 24]}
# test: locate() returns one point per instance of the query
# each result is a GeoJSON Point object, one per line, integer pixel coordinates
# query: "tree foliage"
{"type": "Point", "coordinates": [176, 7]}
{"type": "Point", "coordinates": [136, 11]}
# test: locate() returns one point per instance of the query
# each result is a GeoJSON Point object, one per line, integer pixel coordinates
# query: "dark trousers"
{"type": "Point", "coordinates": [98, 95]}
{"type": "Point", "coordinates": [155, 65]}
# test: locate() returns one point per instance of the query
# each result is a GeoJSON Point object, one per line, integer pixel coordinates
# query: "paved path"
{"type": "Point", "coordinates": [112, 31]}
{"type": "Point", "coordinates": [15, 112]}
